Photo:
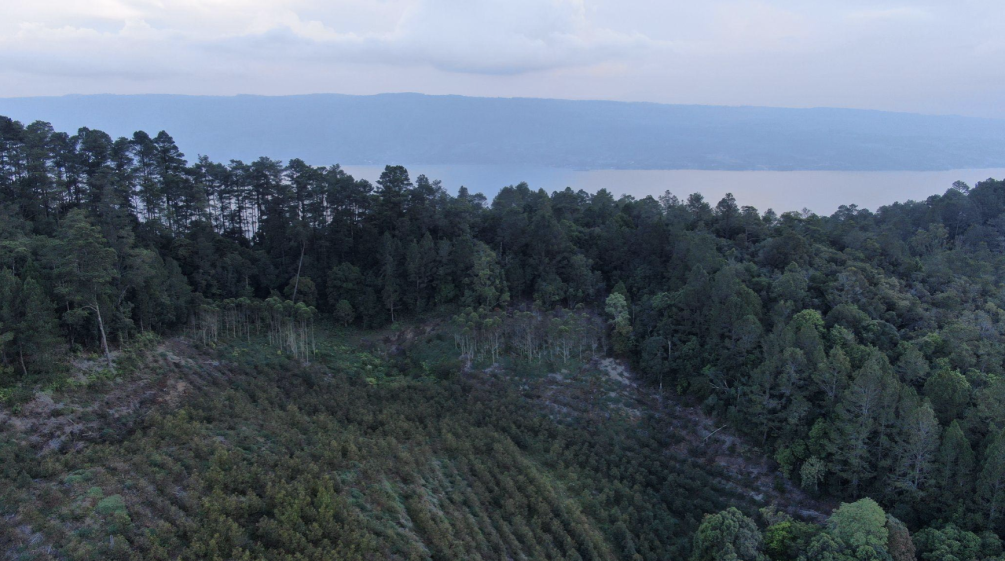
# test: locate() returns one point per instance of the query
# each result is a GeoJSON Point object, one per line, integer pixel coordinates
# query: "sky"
{"type": "Point", "coordinates": [945, 57]}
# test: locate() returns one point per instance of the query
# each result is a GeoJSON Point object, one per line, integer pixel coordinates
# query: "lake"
{"type": "Point", "coordinates": [820, 191]}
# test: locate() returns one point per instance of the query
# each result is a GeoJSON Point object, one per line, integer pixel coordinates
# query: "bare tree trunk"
{"type": "Point", "coordinates": [104, 338]}
{"type": "Point", "coordinates": [296, 284]}
{"type": "Point", "coordinates": [20, 355]}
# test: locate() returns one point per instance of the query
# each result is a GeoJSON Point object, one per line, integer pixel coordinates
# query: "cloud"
{"type": "Point", "coordinates": [756, 27]}
{"type": "Point", "coordinates": [897, 14]}
{"type": "Point", "coordinates": [480, 37]}
{"type": "Point", "coordinates": [133, 51]}
{"type": "Point", "coordinates": [68, 36]}
{"type": "Point", "coordinates": [511, 36]}
{"type": "Point", "coordinates": [472, 36]}
{"type": "Point", "coordinates": [921, 55]}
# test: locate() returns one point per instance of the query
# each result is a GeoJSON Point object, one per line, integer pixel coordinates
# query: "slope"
{"type": "Point", "coordinates": [196, 452]}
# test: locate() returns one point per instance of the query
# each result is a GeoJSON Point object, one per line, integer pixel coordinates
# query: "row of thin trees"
{"type": "Point", "coordinates": [533, 334]}
{"type": "Point", "coordinates": [287, 326]}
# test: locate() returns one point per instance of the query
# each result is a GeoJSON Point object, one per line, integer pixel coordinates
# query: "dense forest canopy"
{"type": "Point", "coordinates": [863, 350]}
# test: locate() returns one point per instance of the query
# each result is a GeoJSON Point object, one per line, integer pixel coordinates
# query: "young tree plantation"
{"type": "Point", "coordinates": [274, 360]}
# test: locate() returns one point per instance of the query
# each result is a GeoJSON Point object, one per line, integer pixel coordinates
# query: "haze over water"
{"type": "Point", "coordinates": [820, 191]}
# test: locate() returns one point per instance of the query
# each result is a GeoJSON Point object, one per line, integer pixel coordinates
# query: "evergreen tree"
{"type": "Point", "coordinates": [390, 292]}
{"type": "Point", "coordinates": [949, 392]}
{"type": "Point", "coordinates": [954, 469]}
{"type": "Point", "coordinates": [28, 314]}
{"type": "Point", "coordinates": [862, 414]}
{"type": "Point", "coordinates": [85, 266]}
{"type": "Point", "coordinates": [915, 445]}
{"type": "Point", "coordinates": [728, 536]}
{"type": "Point", "coordinates": [991, 482]}
{"type": "Point", "coordinates": [393, 192]}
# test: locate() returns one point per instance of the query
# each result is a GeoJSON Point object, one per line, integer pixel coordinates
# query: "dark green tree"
{"type": "Point", "coordinates": [728, 536]}
{"type": "Point", "coordinates": [85, 267]}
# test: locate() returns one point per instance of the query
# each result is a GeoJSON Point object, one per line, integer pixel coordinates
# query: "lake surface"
{"type": "Point", "coordinates": [820, 191]}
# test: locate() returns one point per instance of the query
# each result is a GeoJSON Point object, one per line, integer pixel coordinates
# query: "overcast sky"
{"type": "Point", "coordinates": [929, 57]}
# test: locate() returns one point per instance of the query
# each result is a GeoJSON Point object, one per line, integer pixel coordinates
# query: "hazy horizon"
{"type": "Point", "coordinates": [567, 134]}
{"type": "Point", "coordinates": [571, 87]}
{"type": "Point", "coordinates": [501, 97]}
{"type": "Point", "coordinates": [919, 57]}
{"type": "Point", "coordinates": [821, 192]}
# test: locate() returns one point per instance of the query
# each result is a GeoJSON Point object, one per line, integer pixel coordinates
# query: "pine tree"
{"type": "Point", "coordinates": [912, 368]}
{"type": "Point", "coordinates": [949, 392]}
{"type": "Point", "coordinates": [833, 377]}
{"type": "Point", "coordinates": [991, 482]}
{"type": "Point", "coordinates": [8, 319]}
{"type": "Point", "coordinates": [37, 336]}
{"type": "Point", "coordinates": [85, 266]}
{"type": "Point", "coordinates": [915, 444]}
{"type": "Point", "coordinates": [861, 416]}
{"type": "Point", "coordinates": [392, 189]}
{"type": "Point", "coordinates": [390, 292]}
{"type": "Point", "coordinates": [954, 468]}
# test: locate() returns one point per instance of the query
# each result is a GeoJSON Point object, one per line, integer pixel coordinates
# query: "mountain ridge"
{"type": "Point", "coordinates": [416, 128]}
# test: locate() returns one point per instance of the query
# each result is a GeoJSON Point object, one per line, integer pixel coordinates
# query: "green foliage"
{"type": "Point", "coordinates": [858, 525]}
{"type": "Point", "coordinates": [862, 350]}
{"type": "Point", "coordinates": [112, 505]}
{"type": "Point", "coordinates": [306, 291]}
{"type": "Point", "coordinates": [29, 338]}
{"type": "Point", "coordinates": [991, 482]}
{"type": "Point", "coordinates": [855, 532]}
{"type": "Point", "coordinates": [950, 392]}
{"type": "Point", "coordinates": [271, 458]}
{"type": "Point", "coordinates": [784, 540]}
{"type": "Point", "coordinates": [617, 309]}
{"type": "Point", "coordinates": [344, 313]}
{"type": "Point", "coordinates": [954, 469]}
{"type": "Point", "coordinates": [951, 543]}
{"type": "Point", "coordinates": [727, 535]}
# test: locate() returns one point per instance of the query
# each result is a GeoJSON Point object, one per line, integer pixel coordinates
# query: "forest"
{"type": "Point", "coordinates": [860, 353]}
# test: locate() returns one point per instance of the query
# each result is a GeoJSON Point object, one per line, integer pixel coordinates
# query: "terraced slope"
{"type": "Point", "coordinates": [241, 453]}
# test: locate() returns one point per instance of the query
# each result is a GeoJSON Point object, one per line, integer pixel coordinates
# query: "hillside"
{"type": "Point", "coordinates": [199, 452]}
{"type": "Point", "coordinates": [420, 129]}
{"type": "Point", "coordinates": [475, 355]}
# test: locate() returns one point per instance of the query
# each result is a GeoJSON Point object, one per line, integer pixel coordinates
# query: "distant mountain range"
{"type": "Point", "coordinates": [423, 129]}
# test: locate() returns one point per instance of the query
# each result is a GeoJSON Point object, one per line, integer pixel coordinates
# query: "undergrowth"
{"type": "Point", "coordinates": [378, 450]}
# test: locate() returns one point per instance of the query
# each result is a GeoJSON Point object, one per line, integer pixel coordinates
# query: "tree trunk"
{"type": "Point", "coordinates": [296, 284]}
{"type": "Point", "coordinates": [104, 338]}
{"type": "Point", "coordinates": [20, 355]}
